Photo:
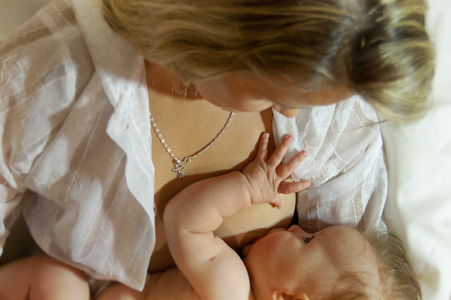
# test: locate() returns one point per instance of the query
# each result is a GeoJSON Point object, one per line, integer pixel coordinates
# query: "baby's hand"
{"type": "Point", "coordinates": [266, 177]}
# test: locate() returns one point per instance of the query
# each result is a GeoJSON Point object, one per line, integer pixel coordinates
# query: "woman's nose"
{"type": "Point", "coordinates": [289, 113]}
{"type": "Point", "coordinates": [300, 233]}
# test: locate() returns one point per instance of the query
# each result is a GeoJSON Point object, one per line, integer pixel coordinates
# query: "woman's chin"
{"type": "Point", "coordinates": [246, 249]}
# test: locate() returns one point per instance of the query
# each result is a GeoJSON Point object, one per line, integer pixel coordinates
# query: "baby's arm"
{"type": "Point", "coordinates": [214, 269]}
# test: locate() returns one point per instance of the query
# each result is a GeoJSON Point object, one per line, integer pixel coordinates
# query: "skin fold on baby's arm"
{"type": "Point", "coordinates": [214, 270]}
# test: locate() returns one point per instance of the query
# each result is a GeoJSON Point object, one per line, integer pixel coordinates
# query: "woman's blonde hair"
{"type": "Point", "coordinates": [379, 48]}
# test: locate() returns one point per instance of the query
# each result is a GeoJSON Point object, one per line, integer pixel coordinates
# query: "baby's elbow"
{"type": "Point", "coordinates": [174, 212]}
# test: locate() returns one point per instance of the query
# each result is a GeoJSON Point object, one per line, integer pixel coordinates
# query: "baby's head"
{"type": "Point", "coordinates": [337, 262]}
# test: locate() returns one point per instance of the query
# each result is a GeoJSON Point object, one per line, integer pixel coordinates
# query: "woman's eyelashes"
{"type": "Point", "coordinates": [308, 240]}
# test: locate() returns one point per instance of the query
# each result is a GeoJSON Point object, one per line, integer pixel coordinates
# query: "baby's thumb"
{"type": "Point", "coordinates": [277, 202]}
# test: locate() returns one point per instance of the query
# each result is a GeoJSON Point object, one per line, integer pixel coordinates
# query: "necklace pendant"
{"type": "Point", "coordinates": [178, 167]}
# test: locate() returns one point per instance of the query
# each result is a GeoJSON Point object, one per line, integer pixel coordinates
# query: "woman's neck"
{"type": "Point", "coordinates": [168, 83]}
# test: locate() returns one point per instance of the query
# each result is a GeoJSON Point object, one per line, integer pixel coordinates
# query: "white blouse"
{"type": "Point", "coordinates": [76, 147]}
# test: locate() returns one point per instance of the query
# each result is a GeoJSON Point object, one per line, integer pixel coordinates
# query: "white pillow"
{"type": "Point", "coordinates": [419, 162]}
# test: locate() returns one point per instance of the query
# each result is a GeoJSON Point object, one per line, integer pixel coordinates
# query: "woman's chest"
{"type": "Point", "coordinates": [186, 131]}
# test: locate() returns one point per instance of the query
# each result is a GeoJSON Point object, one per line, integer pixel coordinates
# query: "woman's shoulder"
{"type": "Point", "coordinates": [48, 52]}
{"type": "Point", "coordinates": [45, 35]}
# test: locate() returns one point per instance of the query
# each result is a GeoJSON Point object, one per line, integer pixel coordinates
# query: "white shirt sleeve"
{"type": "Point", "coordinates": [74, 134]}
{"type": "Point", "coordinates": [345, 164]}
{"type": "Point", "coordinates": [34, 58]}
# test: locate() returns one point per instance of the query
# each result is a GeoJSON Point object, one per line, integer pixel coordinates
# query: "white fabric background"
{"type": "Point", "coordinates": [418, 158]}
{"type": "Point", "coordinates": [419, 165]}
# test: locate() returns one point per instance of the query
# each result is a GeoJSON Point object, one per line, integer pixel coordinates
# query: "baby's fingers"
{"type": "Point", "coordinates": [285, 170]}
{"type": "Point", "coordinates": [280, 151]}
{"type": "Point", "coordinates": [286, 187]}
{"type": "Point", "coordinates": [262, 152]}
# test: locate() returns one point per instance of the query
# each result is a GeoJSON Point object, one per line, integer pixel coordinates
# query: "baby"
{"type": "Point", "coordinates": [337, 262]}
{"type": "Point", "coordinates": [285, 264]}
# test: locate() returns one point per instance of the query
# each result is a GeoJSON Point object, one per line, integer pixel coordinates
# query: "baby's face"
{"type": "Point", "coordinates": [299, 261]}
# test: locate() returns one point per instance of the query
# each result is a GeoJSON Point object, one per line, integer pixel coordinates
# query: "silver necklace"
{"type": "Point", "coordinates": [179, 165]}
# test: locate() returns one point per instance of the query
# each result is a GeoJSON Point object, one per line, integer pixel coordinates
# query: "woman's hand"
{"type": "Point", "coordinates": [266, 178]}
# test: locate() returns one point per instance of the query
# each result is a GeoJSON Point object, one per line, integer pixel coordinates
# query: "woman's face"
{"type": "Point", "coordinates": [246, 93]}
{"type": "Point", "coordinates": [285, 258]}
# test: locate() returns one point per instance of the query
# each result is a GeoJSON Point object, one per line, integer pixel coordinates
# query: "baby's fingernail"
{"type": "Point", "coordinates": [288, 138]}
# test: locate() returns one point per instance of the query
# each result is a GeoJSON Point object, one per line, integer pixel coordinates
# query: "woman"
{"type": "Point", "coordinates": [91, 171]}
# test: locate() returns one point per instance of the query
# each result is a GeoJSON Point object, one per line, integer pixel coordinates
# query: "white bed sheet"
{"type": "Point", "coordinates": [418, 157]}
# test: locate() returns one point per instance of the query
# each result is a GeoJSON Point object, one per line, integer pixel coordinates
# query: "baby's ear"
{"type": "Point", "coordinates": [277, 295]}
